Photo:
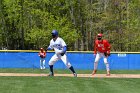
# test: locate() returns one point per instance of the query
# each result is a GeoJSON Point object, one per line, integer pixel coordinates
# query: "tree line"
{"type": "Point", "coordinates": [27, 24]}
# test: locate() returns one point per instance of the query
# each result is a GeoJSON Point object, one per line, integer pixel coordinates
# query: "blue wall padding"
{"type": "Point", "coordinates": [78, 60]}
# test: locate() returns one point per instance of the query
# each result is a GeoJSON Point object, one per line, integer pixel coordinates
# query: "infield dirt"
{"type": "Point", "coordinates": [78, 75]}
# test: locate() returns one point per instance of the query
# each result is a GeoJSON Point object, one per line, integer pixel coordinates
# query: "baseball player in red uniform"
{"type": "Point", "coordinates": [42, 55]}
{"type": "Point", "coordinates": [101, 49]}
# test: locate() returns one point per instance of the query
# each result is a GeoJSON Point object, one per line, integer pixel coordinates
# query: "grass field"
{"type": "Point", "coordinates": [67, 84]}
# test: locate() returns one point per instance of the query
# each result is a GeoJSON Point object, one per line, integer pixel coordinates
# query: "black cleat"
{"type": "Point", "coordinates": [50, 74]}
{"type": "Point", "coordinates": [74, 74]}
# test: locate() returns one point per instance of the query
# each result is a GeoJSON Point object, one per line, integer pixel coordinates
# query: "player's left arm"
{"type": "Point", "coordinates": [64, 47]}
{"type": "Point", "coordinates": [45, 53]}
{"type": "Point", "coordinates": [108, 48]}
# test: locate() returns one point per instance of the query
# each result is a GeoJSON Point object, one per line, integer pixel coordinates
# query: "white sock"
{"type": "Point", "coordinates": [95, 65]}
{"type": "Point", "coordinates": [107, 67]}
{"type": "Point", "coordinates": [43, 64]}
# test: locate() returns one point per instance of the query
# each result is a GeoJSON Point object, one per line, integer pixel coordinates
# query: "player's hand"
{"type": "Point", "coordinates": [107, 54]}
{"type": "Point", "coordinates": [41, 56]}
{"type": "Point", "coordinates": [94, 54]}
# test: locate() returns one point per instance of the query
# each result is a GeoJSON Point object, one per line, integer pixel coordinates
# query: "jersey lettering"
{"type": "Point", "coordinates": [58, 46]}
{"type": "Point", "coordinates": [100, 45]}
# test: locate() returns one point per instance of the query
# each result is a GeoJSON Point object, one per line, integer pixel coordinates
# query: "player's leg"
{"type": "Point", "coordinates": [107, 65]}
{"type": "Point", "coordinates": [44, 63]}
{"type": "Point", "coordinates": [98, 56]}
{"type": "Point", "coordinates": [41, 64]}
{"type": "Point", "coordinates": [51, 63]}
{"type": "Point", "coordinates": [67, 63]}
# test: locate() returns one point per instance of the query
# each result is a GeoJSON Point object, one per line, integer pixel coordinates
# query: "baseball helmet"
{"type": "Point", "coordinates": [55, 33]}
{"type": "Point", "coordinates": [100, 35]}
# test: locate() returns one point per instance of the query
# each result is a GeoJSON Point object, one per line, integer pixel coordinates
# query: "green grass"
{"type": "Point", "coordinates": [68, 84]}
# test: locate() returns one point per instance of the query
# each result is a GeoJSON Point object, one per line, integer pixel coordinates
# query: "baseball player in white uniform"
{"type": "Point", "coordinates": [60, 49]}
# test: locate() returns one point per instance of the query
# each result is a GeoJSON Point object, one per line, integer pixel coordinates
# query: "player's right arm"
{"type": "Point", "coordinates": [95, 48]}
{"type": "Point", "coordinates": [50, 47]}
{"type": "Point", "coordinates": [39, 54]}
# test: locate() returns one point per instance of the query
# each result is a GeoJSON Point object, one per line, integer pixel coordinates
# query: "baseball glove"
{"type": "Point", "coordinates": [62, 54]}
{"type": "Point", "coordinates": [41, 56]}
{"type": "Point", "coordinates": [106, 54]}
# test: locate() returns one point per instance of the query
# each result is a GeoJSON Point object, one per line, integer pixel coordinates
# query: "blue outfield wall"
{"type": "Point", "coordinates": [80, 60]}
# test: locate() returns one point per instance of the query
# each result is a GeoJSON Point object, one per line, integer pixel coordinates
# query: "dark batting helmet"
{"type": "Point", "coordinates": [54, 33]}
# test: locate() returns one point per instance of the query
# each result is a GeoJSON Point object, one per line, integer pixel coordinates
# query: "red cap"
{"type": "Point", "coordinates": [100, 35]}
{"type": "Point", "coordinates": [41, 48]}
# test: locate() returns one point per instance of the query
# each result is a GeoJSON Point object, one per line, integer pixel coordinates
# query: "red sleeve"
{"type": "Point", "coordinates": [107, 45]}
{"type": "Point", "coordinates": [44, 53]}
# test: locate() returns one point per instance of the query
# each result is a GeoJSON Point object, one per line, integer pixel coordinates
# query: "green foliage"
{"type": "Point", "coordinates": [78, 22]}
{"type": "Point", "coordinates": [37, 37]}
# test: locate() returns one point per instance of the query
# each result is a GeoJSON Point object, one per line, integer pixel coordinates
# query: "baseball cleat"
{"type": "Point", "coordinates": [44, 68]}
{"type": "Point", "coordinates": [50, 74]}
{"type": "Point", "coordinates": [94, 72]}
{"type": "Point", "coordinates": [75, 75]}
{"type": "Point", "coordinates": [108, 73]}
{"type": "Point", "coordinates": [41, 68]}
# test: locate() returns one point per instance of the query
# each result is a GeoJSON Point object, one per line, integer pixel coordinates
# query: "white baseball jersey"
{"type": "Point", "coordinates": [58, 45]}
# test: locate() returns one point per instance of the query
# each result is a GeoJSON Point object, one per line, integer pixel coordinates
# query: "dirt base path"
{"type": "Point", "coordinates": [79, 75]}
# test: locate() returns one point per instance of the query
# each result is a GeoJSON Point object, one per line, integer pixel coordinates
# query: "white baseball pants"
{"type": "Point", "coordinates": [42, 63]}
{"type": "Point", "coordinates": [57, 57]}
{"type": "Point", "coordinates": [98, 56]}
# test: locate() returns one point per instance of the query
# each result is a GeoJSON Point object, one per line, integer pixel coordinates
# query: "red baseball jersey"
{"type": "Point", "coordinates": [102, 46]}
{"type": "Point", "coordinates": [42, 54]}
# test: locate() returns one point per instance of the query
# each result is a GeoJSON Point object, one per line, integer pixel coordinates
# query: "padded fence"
{"type": "Point", "coordinates": [80, 60]}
